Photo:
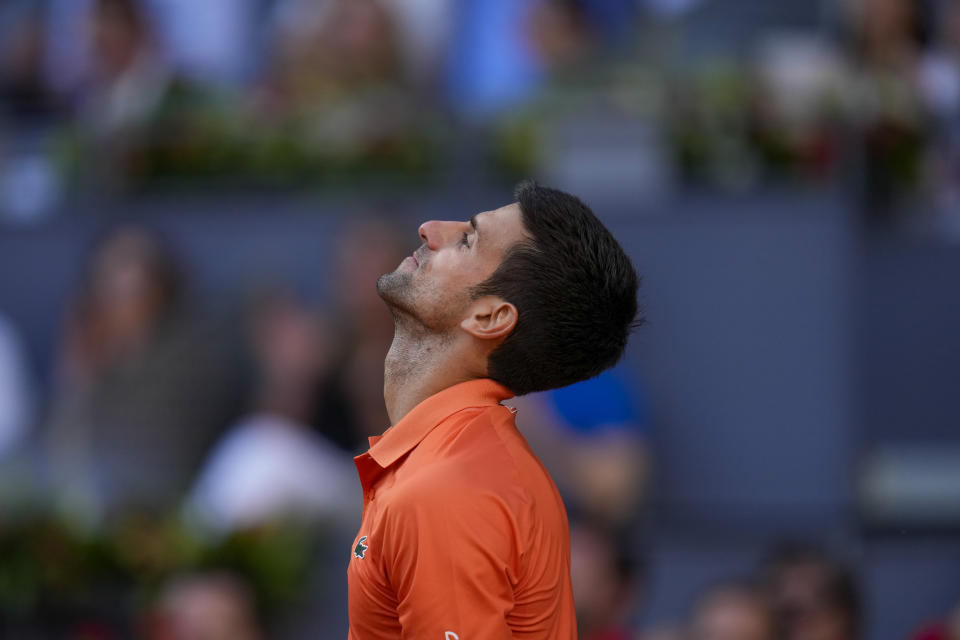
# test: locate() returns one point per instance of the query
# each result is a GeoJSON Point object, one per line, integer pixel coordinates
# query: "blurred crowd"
{"type": "Point", "coordinates": [109, 95]}
{"type": "Point", "coordinates": [185, 471]}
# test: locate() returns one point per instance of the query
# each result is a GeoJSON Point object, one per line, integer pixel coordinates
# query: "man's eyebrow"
{"type": "Point", "coordinates": [473, 223]}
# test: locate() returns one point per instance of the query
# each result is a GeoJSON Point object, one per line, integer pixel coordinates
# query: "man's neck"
{"type": "Point", "coordinates": [418, 365]}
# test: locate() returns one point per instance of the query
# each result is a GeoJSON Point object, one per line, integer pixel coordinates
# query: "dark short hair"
{"type": "Point", "coordinates": [575, 291]}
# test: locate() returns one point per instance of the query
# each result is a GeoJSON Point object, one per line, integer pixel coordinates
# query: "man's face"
{"type": "Point", "coordinates": [433, 285]}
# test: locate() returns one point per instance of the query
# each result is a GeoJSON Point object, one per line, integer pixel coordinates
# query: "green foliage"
{"type": "Point", "coordinates": [46, 565]}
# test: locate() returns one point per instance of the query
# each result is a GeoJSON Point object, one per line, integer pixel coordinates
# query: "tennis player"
{"type": "Point", "coordinates": [464, 535]}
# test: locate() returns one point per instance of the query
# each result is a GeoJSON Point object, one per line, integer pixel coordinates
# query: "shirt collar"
{"type": "Point", "coordinates": [414, 427]}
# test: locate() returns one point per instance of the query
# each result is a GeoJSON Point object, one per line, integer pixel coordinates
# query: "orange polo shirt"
{"type": "Point", "coordinates": [464, 535]}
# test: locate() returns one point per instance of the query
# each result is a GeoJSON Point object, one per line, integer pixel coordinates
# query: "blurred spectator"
{"type": "Point", "coordinates": [886, 33]}
{"type": "Point", "coordinates": [591, 435]}
{"type": "Point", "coordinates": [351, 398]}
{"type": "Point", "coordinates": [814, 597]}
{"type": "Point", "coordinates": [129, 78]}
{"type": "Point", "coordinates": [590, 122]}
{"type": "Point", "coordinates": [409, 37]}
{"type": "Point", "coordinates": [492, 63]}
{"type": "Point", "coordinates": [330, 52]}
{"type": "Point", "coordinates": [886, 40]}
{"type": "Point", "coordinates": [271, 464]}
{"type": "Point", "coordinates": [563, 34]}
{"type": "Point", "coordinates": [940, 88]}
{"type": "Point", "coordinates": [948, 629]}
{"type": "Point", "coordinates": [504, 51]}
{"type": "Point", "coordinates": [28, 110]}
{"type": "Point", "coordinates": [732, 611]}
{"type": "Point", "coordinates": [606, 579]}
{"type": "Point", "coordinates": [334, 95]}
{"type": "Point", "coordinates": [25, 98]}
{"type": "Point", "coordinates": [336, 45]}
{"type": "Point", "coordinates": [16, 392]}
{"type": "Point", "coordinates": [135, 114]}
{"type": "Point", "coordinates": [144, 385]}
{"type": "Point", "coordinates": [424, 30]}
{"type": "Point", "coordinates": [206, 606]}
{"type": "Point", "coordinates": [797, 105]}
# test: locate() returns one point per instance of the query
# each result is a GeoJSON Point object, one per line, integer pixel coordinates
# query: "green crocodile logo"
{"type": "Point", "coordinates": [361, 548]}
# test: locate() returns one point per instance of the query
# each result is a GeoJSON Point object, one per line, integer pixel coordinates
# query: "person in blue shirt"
{"type": "Point", "coordinates": [592, 436]}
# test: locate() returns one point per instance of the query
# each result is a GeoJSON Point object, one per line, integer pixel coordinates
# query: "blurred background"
{"type": "Point", "coordinates": [196, 199]}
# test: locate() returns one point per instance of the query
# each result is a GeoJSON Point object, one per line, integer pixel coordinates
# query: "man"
{"type": "Point", "coordinates": [464, 536]}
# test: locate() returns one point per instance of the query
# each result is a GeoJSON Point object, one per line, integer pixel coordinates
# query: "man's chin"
{"type": "Point", "coordinates": [394, 288]}
{"type": "Point", "coordinates": [392, 281]}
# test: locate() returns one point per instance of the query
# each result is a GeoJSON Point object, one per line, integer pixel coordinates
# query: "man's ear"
{"type": "Point", "coordinates": [490, 318]}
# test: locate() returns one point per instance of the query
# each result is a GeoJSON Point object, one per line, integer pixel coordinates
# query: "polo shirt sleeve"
{"type": "Point", "coordinates": [451, 553]}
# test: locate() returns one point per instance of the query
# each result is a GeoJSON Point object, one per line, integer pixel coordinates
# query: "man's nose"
{"type": "Point", "coordinates": [439, 233]}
